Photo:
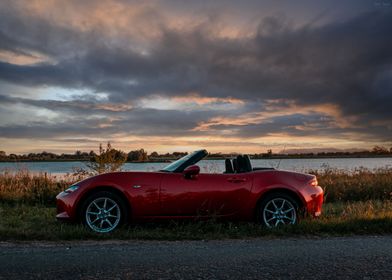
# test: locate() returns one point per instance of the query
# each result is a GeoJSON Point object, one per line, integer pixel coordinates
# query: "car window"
{"type": "Point", "coordinates": [182, 163]}
{"type": "Point", "coordinates": [174, 165]}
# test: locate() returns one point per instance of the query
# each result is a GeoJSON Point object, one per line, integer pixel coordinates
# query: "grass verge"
{"type": "Point", "coordinates": [358, 202]}
{"type": "Point", "coordinates": [26, 222]}
{"type": "Point", "coordinates": [361, 185]}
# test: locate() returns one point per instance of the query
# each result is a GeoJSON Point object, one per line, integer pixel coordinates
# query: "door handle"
{"type": "Point", "coordinates": [236, 180]}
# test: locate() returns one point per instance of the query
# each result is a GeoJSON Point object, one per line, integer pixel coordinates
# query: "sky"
{"type": "Point", "coordinates": [170, 75]}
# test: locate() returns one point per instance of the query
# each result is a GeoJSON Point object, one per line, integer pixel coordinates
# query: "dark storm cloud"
{"type": "Point", "coordinates": [138, 124]}
{"type": "Point", "coordinates": [75, 106]}
{"type": "Point", "coordinates": [347, 63]}
{"type": "Point", "coordinates": [41, 74]}
{"type": "Point", "coordinates": [21, 32]}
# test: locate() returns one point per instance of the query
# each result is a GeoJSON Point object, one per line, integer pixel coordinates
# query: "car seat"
{"type": "Point", "coordinates": [228, 166]}
{"type": "Point", "coordinates": [243, 163]}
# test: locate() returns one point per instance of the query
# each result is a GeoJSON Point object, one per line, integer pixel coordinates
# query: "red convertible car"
{"type": "Point", "coordinates": [265, 195]}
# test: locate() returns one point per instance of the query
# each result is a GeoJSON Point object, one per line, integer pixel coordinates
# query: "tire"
{"type": "Point", "coordinates": [103, 212]}
{"type": "Point", "coordinates": [278, 209]}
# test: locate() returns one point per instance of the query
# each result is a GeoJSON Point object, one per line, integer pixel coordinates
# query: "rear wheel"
{"type": "Point", "coordinates": [103, 212]}
{"type": "Point", "coordinates": [278, 209]}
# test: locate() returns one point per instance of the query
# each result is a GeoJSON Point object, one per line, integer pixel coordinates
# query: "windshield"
{"type": "Point", "coordinates": [182, 163]}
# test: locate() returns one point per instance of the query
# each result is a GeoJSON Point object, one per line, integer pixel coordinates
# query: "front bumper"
{"type": "Point", "coordinates": [65, 207]}
{"type": "Point", "coordinates": [63, 216]}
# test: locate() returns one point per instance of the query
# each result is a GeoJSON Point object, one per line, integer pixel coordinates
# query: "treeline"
{"type": "Point", "coordinates": [133, 156]}
{"type": "Point", "coordinates": [142, 156]}
{"type": "Point", "coordinates": [376, 151]}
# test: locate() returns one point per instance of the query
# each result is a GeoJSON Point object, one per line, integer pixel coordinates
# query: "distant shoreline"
{"type": "Point", "coordinates": [213, 158]}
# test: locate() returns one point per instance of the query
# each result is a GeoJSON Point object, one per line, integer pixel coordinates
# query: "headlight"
{"type": "Point", "coordinates": [71, 189]}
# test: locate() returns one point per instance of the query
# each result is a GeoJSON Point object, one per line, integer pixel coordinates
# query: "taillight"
{"type": "Point", "coordinates": [313, 182]}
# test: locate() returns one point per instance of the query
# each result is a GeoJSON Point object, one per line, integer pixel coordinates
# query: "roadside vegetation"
{"type": "Point", "coordinates": [141, 155]}
{"type": "Point", "coordinates": [359, 185]}
{"type": "Point", "coordinates": [107, 160]}
{"type": "Point", "coordinates": [25, 222]}
{"type": "Point", "coordinates": [358, 202]}
{"type": "Point", "coordinates": [24, 187]}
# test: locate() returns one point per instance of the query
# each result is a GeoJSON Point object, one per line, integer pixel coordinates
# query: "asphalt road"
{"type": "Point", "coordinates": [329, 258]}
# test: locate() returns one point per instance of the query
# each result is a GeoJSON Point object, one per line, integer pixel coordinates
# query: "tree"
{"type": "Point", "coordinates": [138, 155]}
{"type": "Point", "coordinates": [378, 150]}
{"type": "Point", "coordinates": [179, 154]}
{"type": "Point", "coordinates": [13, 156]}
{"type": "Point", "coordinates": [155, 154]}
{"type": "Point", "coordinates": [107, 160]}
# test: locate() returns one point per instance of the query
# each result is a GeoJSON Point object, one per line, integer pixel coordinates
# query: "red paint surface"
{"type": "Point", "coordinates": [174, 195]}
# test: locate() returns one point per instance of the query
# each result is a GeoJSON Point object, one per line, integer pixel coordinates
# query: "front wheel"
{"type": "Point", "coordinates": [278, 209]}
{"type": "Point", "coordinates": [103, 212]}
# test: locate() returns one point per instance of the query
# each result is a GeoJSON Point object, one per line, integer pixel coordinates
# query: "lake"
{"type": "Point", "coordinates": [217, 166]}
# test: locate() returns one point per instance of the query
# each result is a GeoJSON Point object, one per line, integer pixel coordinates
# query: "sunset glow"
{"type": "Point", "coordinates": [177, 76]}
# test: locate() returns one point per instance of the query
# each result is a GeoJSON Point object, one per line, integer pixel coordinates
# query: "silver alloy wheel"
{"type": "Point", "coordinates": [279, 211]}
{"type": "Point", "coordinates": [103, 214]}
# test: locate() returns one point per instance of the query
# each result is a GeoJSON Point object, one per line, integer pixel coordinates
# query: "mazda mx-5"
{"type": "Point", "coordinates": [180, 191]}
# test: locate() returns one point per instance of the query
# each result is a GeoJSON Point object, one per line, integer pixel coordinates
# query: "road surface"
{"type": "Point", "coordinates": [316, 258]}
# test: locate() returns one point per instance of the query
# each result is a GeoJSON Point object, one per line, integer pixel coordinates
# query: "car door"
{"type": "Point", "coordinates": [204, 195]}
{"type": "Point", "coordinates": [143, 193]}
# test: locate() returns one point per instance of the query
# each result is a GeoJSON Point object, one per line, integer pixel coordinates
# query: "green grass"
{"type": "Point", "coordinates": [26, 222]}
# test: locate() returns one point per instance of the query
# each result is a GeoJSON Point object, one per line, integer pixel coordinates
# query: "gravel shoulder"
{"type": "Point", "coordinates": [360, 257]}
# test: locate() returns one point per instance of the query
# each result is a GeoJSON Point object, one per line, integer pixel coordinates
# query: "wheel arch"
{"type": "Point", "coordinates": [296, 196]}
{"type": "Point", "coordinates": [96, 189]}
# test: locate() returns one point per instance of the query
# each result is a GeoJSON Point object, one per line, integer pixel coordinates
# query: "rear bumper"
{"type": "Point", "coordinates": [314, 201]}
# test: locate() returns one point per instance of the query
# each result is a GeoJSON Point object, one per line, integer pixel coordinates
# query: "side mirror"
{"type": "Point", "coordinates": [191, 171]}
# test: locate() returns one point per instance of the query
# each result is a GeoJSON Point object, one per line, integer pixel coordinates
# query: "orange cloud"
{"type": "Point", "coordinates": [279, 108]}
{"type": "Point", "coordinates": [113, 107]}
{"type": "Point", "coordinates": [143, 20]}
{"type": "Point", "coordinates": [163, 144]}
{"type": "Point", "coordinates": [200, 100]}
{"type": "Point", "coordinates": [23, 58]}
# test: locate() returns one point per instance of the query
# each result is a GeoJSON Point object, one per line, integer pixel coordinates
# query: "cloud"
{"type": "Point", "coordinates": [78, 118]}
{"type": "Point", "coordinates": [217, 74]}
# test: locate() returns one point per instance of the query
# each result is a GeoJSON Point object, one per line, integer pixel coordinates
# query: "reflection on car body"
{"type": "Point", "coordinates": [264, 195]}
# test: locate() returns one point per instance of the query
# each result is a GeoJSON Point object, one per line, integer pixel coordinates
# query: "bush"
{"type": "Point", "coordinates": [108, 160]}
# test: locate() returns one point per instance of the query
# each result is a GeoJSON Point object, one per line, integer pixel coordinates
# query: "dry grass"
{"type": "Point", "coordinates": [23, 186]}
{"type": "Point", "coordinates": [360, 185]}
{"type": "Point", "coordinates": [340, 186]}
